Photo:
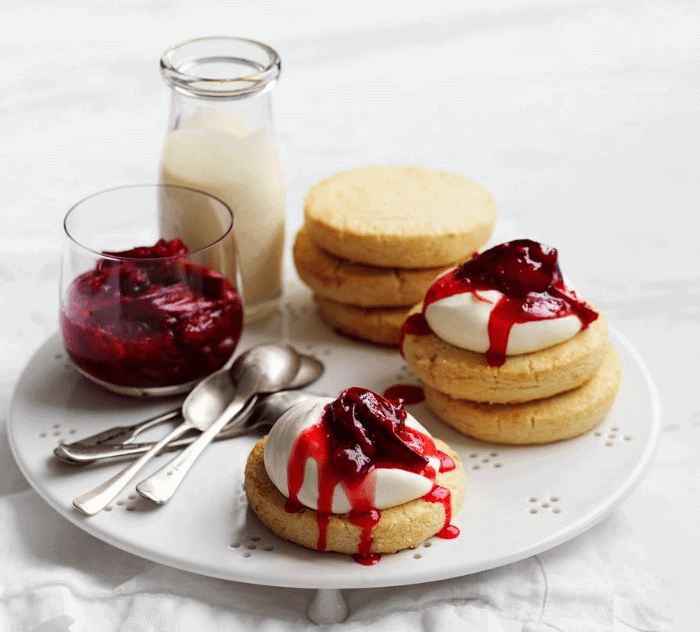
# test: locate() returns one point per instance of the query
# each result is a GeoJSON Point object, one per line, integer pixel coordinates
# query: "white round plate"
{"type": "Point", "coordinates": [519, 502]}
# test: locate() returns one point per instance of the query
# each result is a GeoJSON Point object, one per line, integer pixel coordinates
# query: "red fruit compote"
{"type": "Point", "coordinates": [149, 317]}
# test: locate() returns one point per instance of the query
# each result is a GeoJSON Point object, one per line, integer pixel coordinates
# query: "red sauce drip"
{"type": "Point", "coordinates": [359, 433]}
{"type": "Point", "coordinates": [447, 463]}
{"type": "Point", "coordinates": [442, 495]}
{"type": "Point", "coordinates": [151, 318]}
{"type": "Point", "coordinates": [527, 274]}
{"type": "Point", "coordinates": [365, 518]}
{"type": "Point", "coordinates": [449, 532]}
{"type": "Point", "coordinates": [367, 560]}
{"type": "Point", "coordinates": [407, 393]}
{"type": "Point", "coordinates": [415, 325]}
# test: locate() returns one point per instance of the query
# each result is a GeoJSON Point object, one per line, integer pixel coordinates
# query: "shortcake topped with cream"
{"type": "Point", "coordinates": [508, 352]}
{"type": "Point", "coordinates": [362, 467]}
{"type": "Point", "coordinates": [509, 300]}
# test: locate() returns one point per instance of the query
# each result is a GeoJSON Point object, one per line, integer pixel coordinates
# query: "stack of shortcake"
{"type": "Point", "coordinates": [375, 238]}
{"type": "Point", "coordinates": [508, 352]}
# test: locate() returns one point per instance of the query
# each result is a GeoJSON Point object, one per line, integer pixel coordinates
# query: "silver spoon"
{"type": "Point", "coordinates": [267, 411]}
{"type": "Point", "coordinates": [264, 369]}
{"type": "Point", "coordinates": [261, 418]}
{"type": "Point", "coordinates": [89, 450]}
{"type": "Point", "coordinates": [205, 406]}
{"type": "Point", "coordinates": [123, 434]}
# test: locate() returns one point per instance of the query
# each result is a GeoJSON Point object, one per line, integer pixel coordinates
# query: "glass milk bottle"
{"type": "Point", "coordinates": [222, 140]}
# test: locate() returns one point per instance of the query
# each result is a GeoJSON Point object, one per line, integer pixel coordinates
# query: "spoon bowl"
{"type": "Point", "coordinates": [267, 412]}
{"type": "Point", "coordinates": [260, 370]}
{"type": "Point", "coordinates": [263, 369]}
{"type": "Point", "coordinates": [310, 369]}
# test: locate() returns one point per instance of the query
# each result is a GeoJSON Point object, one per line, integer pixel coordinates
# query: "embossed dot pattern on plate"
{"type": "Point", "coordinates": [612, 436]}
{"type": "Point", "coordinates": [56, 431]}
{"type": "Point", "coordinates": [545, 504]}
{"type": "Point", "coordinates": [250, 543]}
{"type": "Point", "coordinates": [480, 460]}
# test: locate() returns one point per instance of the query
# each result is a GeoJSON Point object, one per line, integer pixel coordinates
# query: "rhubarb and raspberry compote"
{"type": "Point", "coordinates": [149, 317]}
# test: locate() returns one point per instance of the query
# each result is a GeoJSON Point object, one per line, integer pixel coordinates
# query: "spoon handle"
{"type": "Point", "coordinates": [161, 486]}
{"type": "Point", "coordinates": [96, 500]}
{"type": "Point", "coordinates": [79, 454]}
{"type": "Point", "coordinates": [123, 434]}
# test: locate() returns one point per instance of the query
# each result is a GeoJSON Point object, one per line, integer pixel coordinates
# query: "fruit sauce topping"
{"type": "Point", "coordinates": [527, 275]}
{"type": "Point", "coordinates": [151, 318]}
{"type": "Point", "coordinates": [407, 393]}
{"type": "Point", "coordinates": [358, 433]}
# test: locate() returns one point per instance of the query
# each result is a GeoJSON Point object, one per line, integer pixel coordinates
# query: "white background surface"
{"type": "Point", "coordinates": [581, 118]}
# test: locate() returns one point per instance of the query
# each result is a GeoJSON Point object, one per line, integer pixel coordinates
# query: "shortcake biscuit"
{"type": "Point", "coordinates": [359, 284]}
{"type": "Point", "coordinates": [401, 527]}
{"type": "Point", "coordinates": [399, 216]}
{"type": "Point", "coordinates": [380, 325]}
{"type": "Point", "coordinates": [562, 416]}
{"type": "Point", "coordinates": [531, 376]}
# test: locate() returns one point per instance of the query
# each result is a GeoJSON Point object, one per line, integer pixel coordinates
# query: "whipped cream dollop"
{"type": "Point", "coordinates": [463, 321]}
{"type": "Point", "coordinates": [336, 466]}
{"type": "Point", "coordinates": [509, 300]}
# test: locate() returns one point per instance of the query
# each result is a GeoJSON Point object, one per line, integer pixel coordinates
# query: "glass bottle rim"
{"type": "Point", "coordinates": [181, 66]}
{"type": "Point", "coordinates": [115, 257]}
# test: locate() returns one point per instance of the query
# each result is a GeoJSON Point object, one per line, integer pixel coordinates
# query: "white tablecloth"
{"type": "Point", "coordinates": [581, 118]}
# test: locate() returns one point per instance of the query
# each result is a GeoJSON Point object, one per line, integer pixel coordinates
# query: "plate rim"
{"type": "Point", "coordinates": [570, 531]}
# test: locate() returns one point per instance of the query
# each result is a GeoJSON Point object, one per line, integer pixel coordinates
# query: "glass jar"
{"type": "Point", "coordinates": [142, 313]}
{"type": "Point", "coordinates": [222, 140]}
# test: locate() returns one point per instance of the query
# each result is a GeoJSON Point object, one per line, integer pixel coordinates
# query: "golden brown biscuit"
{"type": "Point", "coordinates": [559, 417]}
{"type": "Point", "coordinates": [380, 325]}
{"type": "Point", "coordinates": [466, 375]}
{"type": "Point", "coordinates": [361, 285]}
{"type": "Point", "coordinates": [404, 217]}
{"type": "Point", "coordinates": [402, 527]}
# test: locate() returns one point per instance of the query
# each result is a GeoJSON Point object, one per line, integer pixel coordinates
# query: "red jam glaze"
{"type": "Point", "coordinates": [528, 276]}
{"type": "Point", "coordinates": [407, 393]}
{"type": "Point", "coordinates": [359, 433]}
{"type": "Point", "coordinates": [151, 318]}
{"type": "Point", "coordinates": [449, 532]}
{"type": "Point", "coordinates": [367, 560]}
{"type": "Point", "coordinates": [442, 495]}
{"type": "Point", "coordinates": [447, 464]}
{"type": "Point", "coordinates": [415, 325]}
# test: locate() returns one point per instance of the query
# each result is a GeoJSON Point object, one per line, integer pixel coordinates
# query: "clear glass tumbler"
{"type": "Point", "coordinates": [144, 311]}
{"type": "Point", "coordinates": [222, 139]}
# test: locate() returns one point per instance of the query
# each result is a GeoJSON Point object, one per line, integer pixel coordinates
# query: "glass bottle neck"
{"type": "Point", "coordinates": [239, 116]}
